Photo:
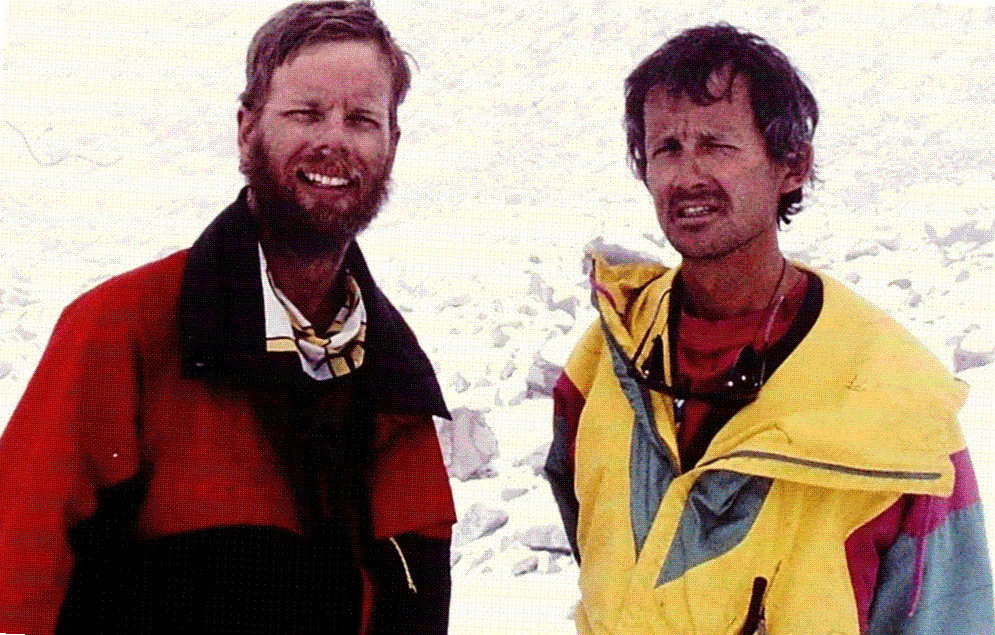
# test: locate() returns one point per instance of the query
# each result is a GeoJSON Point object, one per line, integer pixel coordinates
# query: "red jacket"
{"type": "Point", "coordinates": [153, 375]}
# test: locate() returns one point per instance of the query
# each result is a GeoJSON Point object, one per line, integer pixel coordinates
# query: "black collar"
{"type": "Point", "coordinates": [222, 326]}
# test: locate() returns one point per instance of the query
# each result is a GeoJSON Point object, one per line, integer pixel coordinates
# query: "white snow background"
{"type": "Point", "coordinates": [117, 146]}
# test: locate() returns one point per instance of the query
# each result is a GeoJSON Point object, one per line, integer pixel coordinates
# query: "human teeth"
{"type": "Point", "coordinates": [695, 210]}
{"type": "Point", "coordinates": [327, 181]}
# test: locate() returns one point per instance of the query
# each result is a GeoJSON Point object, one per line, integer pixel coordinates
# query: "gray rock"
{"type": "Point", "coordinates": [535, 459]}
{"type": "Point", "coordinates": [542, 292]}
{"type": "Point", "coordinates": [550, 538]}
{"type": "Point", "coordinates": [498, 337]}
{"type": "Point", "coordinates": [861, 250]}
{"type": "Point", "coordinates": [965, 359]}
{"type": "Point", "coordinates": [459, 383]}
{"type": "Point", "coordinates": [477, 523]}
{"type": "Point", "coordinates": [5, 369]}
{"type": "Point", "coordinates": [484, 557]}
{"type": "Point", "coordinates": [891, 243]}
{"type": "Point", "coordinates": [455, 302]}
{"type": "Point", "coordinates": [539, 290]}
{"type": "Point", "coordinates": [568, 305]}
{"type": "Point", "coordinates": [509, 493]}
{"type": "Point", "coordinates": [542, 377]}
{"type": "Point", "coordinates": [965, 233]}
{"type": "Point", "coordinates": [528, 565]}
{"type": "Point", "coordinates": [24, 334]}
{"type": "Point", "coordinates": [21, 299]}
{"type": "Point", "coordinates": [468, 445]}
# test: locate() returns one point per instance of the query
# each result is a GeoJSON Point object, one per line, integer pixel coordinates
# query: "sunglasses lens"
{"type": "Point", "coordinates": [739, 387]}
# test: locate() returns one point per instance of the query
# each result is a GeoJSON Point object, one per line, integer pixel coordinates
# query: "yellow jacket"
{"type": "Point", "coordinates": [858, 415]}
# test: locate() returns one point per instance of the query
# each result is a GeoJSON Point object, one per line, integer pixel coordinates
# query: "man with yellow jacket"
{"type": "Point", "coordinates": [741, 444]}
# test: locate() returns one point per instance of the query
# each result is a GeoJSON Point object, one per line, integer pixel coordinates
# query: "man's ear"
{"type": "Point", "coordinates": [246, 127]}
{"type": "Point", "coordinates": [799, 171]}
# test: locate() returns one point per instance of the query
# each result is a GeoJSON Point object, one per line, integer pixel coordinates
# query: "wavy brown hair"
{"type": "Point", "coordinates": [784, 109]}
{"type": "Point", "coordinates": [305, 24]}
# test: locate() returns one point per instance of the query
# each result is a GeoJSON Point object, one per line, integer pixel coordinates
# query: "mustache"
{"type": "Point", "coordinates": [340, 168]}
{"type": "Point", "coordinates": [334, 162]}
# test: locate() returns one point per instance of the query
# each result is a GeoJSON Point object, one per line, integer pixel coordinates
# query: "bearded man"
{"type": "Point", "coordinates": [742, 445]}
{"type": "Point", "coordinates": [239, 438]}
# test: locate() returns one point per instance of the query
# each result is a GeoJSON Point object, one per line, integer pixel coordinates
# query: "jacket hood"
{"type": "Point", "coordinates": [859, 403]}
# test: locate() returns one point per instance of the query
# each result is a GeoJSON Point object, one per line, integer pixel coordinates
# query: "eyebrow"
{"type": "Point", "coordinates": [293, 102]}
{"type": "Point", "coordinates": [314, 104]}
{"type": "Point", "coordinates": [703, 136]}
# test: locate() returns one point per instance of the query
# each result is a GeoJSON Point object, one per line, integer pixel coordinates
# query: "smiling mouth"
{"type": "Point", "coordinates": [695, 211]}
{"type": "Point", "coordinates": [317, 179]}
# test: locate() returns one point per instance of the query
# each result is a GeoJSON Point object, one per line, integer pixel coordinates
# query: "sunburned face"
{"type": "Point", "coordinates": [713, 185]}
{"type": "Point", "coordinates": [318, 154]}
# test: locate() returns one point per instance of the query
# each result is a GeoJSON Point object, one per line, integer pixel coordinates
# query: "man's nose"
{"type": "Point", "coordinates": [689, 171]}
{"type": "Point", "coordinates": [332, 134]}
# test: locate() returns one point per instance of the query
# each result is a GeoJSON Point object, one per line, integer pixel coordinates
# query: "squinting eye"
{"type": "Point", "coordinates": [365, 122]}
{"type": "Point", "coordinates": [720, 146]}
{"type": "Point", "coordinates": [303, 116]}
{"type": "Point", "coordinates": [667, 147]}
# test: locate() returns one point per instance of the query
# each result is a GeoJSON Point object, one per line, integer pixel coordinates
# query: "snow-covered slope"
{"type": "Point", "coordinates": [117, 146]}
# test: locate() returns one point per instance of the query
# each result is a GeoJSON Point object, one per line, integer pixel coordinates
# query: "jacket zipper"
{"type": "Point", "coordinates": [832, 467]}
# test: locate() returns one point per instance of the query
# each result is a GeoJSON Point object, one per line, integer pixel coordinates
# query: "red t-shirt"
{"type": "Point", "coordinates": [707, 349]}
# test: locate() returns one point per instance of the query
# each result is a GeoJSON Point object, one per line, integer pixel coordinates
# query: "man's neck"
{"type": "Point", "coordinates": [735, 284]}
{"type": "Point", "coordinates": [310, 282]}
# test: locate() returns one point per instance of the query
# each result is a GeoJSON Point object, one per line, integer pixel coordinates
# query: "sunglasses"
{"type": "Point", "coordinates": [737, 387]}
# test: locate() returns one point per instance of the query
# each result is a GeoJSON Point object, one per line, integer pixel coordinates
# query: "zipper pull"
{"type": "Point", "coordinates": [404, 563]}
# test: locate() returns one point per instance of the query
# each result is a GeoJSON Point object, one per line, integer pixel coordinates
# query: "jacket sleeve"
{"type": "Point", "coordinates": [412, 512]}
{"type": "Point", "coordinates": [568, 404]}
{"type": "Point", "coordinates": [936, 577]}
{"type": "Point", "coordinates": [72, 433]}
